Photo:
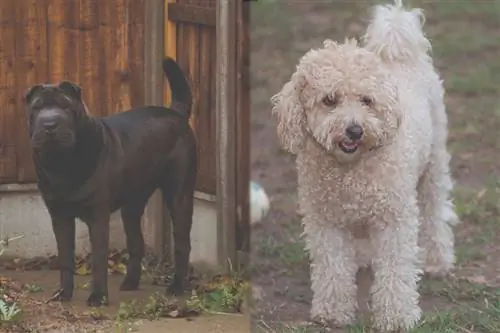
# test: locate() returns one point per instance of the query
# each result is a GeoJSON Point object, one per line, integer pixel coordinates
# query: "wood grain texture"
{"type": "Point", "coordinates": [90, 53]}
{"type": "Point", "coordinates": [8, 92]}
{"type": "Point", "coordinates": [31, 67]}
{"type": "Point", "coordinates": [195, 53]}
{"type": "Point", "coordinates": [243, 131]}
{"type": "Point", "coordinates": [99, 45]}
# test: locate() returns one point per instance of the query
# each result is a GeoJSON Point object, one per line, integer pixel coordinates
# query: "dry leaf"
{"type": "Point", "coordinates": [481, 193]}
{"type": "Point", "coordinates": [479, 279]}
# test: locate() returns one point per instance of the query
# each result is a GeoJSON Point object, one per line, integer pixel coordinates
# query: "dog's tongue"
{"type": "Point", "coordinates": [349, 144]}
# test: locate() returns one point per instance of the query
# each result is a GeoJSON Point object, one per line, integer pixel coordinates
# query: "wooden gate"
{"type": "Point", "coordinates": [190, 39]}
{"type": "Point", "coordinates": [96, 44]}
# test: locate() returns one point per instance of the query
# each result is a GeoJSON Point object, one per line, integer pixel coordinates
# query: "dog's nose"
{"type": "Point", "coordinates": [354, 132]}
{"type": "Point", "coordinates": [50, 126]}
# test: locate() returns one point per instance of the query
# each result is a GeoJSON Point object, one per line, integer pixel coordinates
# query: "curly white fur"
{"type": "Point", "coordinates": [379, 199]}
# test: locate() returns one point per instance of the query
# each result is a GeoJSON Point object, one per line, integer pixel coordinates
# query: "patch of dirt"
{"type": "Point", "coordinates": [29, 285]}
{"type": "Point", "coordinates": [281, 33]}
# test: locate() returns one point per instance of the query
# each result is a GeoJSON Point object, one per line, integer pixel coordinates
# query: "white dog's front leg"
{"type": "Point", "coordinates": [396, 274]}
{"type": "Point", "coordinates": [333, 274]}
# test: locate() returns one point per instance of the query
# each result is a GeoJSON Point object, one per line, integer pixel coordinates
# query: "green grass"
{"type": "Point", "coordinates": [290, 252]}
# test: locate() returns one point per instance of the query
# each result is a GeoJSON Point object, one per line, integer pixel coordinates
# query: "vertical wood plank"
{"type": "Point", "coordinates": [8, 93]}
{"type": "Point", "coordinates": [90, 52]}
{"type": "Point", "coordinates": [243, 133]}
{"type": "Point", "coordinates": [108, 17]}
{"type": "Point", "coordinates": [212, 119]}
{"type": "Point", "coordinates": [121, 61]}
{"type": "Point", "coordinates": [135, 45]}
{"type": "Point", "coordinates": [63, 41]}
{"type": "Point", "coordinates": [225, 131]}
{"type": "Point", "coordinates": [32, 68]}
{"type": "Point", "coordinates": [170, 35]}
{"type": "Point", "coordinates": [203, 121]}
{"type": "Point", "coordinates": [157, 221]}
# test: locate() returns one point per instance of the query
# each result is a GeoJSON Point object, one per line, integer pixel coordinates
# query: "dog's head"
{"type": "Point", "coordinates": [341, 97]}
{"type": "Point", "coordinates": [54, 113]}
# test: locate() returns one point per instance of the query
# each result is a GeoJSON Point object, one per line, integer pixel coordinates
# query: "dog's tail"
{"type": "Point", "coordinates": [182, 97]}
{"type": "Point", "coordinates": [396, 34]}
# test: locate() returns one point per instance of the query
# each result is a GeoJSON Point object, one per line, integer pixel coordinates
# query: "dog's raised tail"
{"type": "Point", "coordinates": [182, 97]}
{"type": "Point", "coordinates": [396, 34]}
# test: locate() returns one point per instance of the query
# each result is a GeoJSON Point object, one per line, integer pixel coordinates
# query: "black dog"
{"type": "Point", "coordinates": [88, 167]}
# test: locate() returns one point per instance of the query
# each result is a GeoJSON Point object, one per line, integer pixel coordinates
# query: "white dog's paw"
{"type": "Point", "coordinates": [333, 323]}
{"type": "Point", "coordinates": [339, 316]}
{"type": "Point", "coordinates": [438, 271]}
{"type": "Point", "coordinates": [395, 313]}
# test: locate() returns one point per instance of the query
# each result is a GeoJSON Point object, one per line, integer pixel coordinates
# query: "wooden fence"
{"type": "Point", "coordinates": [110, 48]}
{"type": "Point", "coordinates": [97, 44]}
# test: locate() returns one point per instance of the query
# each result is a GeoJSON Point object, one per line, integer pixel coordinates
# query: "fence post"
{"type": "Point", "coordinates": [225, 131]}
{"type": "Point", "coordinates": [155, 215]}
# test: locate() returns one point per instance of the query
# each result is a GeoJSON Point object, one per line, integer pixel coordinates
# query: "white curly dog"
{"type": "Point", "coordinates": [369, 127]}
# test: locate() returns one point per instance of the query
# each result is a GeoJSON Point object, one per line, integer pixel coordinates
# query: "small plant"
{"type": "Point", "coordinates": [97, 314]}
{"type": "Point", "coordinates": [9, 313]}
{"type": "Point", "coordinates": [32, 288]}
{"type": "Point", "coordinates": [156, 306]}
{"type": "Point", "coordinates": [128, 310]}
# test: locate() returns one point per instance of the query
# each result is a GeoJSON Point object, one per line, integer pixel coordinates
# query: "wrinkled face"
{"type": "Point", "coordinates": [53, 113]}
{"type": "Point", "coordinates": [350, 105]}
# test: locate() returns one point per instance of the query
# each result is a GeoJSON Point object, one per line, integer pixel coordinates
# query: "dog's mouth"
{"type": "Point", "coordinates": [52, 141]}
{"type": "Point", "coordinates": [349, 146]}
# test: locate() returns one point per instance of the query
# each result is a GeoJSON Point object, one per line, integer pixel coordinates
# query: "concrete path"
{"type": "Point", "coordinates": [204, 324]}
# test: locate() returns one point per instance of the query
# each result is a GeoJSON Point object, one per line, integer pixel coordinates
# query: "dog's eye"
{"type": "Point", "coordinates": [331, 100]}
{"type": "Point", "coordinates": [368, 101]}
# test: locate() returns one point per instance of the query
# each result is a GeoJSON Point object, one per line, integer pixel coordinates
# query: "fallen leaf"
{"type": "Point", "coordinates": [481, 194]}
{"type": "Point", "coordinates": [479, 279]}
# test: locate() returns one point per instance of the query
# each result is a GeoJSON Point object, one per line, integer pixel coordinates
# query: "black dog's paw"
{"type": "Point", "coordinates": [129, 284]}
{"type": "Point", "coordinates": [177, 288]}
{"type": "Point", "coordinates": [61, 296]}
{"type": "Point", "coordinates": [97, 299]}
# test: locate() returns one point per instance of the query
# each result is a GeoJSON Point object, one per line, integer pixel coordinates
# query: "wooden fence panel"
{"type": "Point", "coordinates": [31, 67]}
{"type": "Point", "coordinates": [8, 93]}
{"type": "Point", "coordinates": [195, 26]}
{"type": "Point", "coordinates": [63, 40]}
{"type": "Point", "coordinates": [90, 74]}
{"type": "Point", "coordinates": [96, 44]}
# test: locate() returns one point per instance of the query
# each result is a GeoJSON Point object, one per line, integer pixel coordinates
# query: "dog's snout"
{"type": "Point", "coordinates": [49, 120]}
{"type": "Point", "coordinates": [354, 132]}
{"type": "Point", "coordinates": [50, 125]}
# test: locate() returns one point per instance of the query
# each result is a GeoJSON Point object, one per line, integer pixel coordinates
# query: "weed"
{"type": "Point", "coordinates": [32, 288]}
{"type": "Point", "coordinates": [9, 312]}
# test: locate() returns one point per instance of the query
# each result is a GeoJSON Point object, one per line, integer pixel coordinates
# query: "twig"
{"type": "Point", "coordinates": [465, 330]}
{"type": "Point", "coordinates": [266, 326]}
{"type": "Point", "coordinates": [4, 243]}
{"type": "Point", "coordinates": [223, 313]}
{"type": "Point", "coordinates": [55, 296]}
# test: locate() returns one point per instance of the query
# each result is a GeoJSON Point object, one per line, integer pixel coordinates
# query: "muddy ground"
{"type": "Point", "coordinates": [466, 47]}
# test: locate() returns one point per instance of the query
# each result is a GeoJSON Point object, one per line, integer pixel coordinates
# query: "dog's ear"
{"type": "Point", "coordinates": [71, 89]}
{"type": "Point", "coordinates": [290, 113]}
{"type": "Point", "coordinates": [31, 92]}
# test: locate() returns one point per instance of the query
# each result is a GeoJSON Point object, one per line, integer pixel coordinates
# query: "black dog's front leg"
{"type": "Point", "coordinates": [99, 239]}
{"type": "Point", "coordinates": [64, 231]}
